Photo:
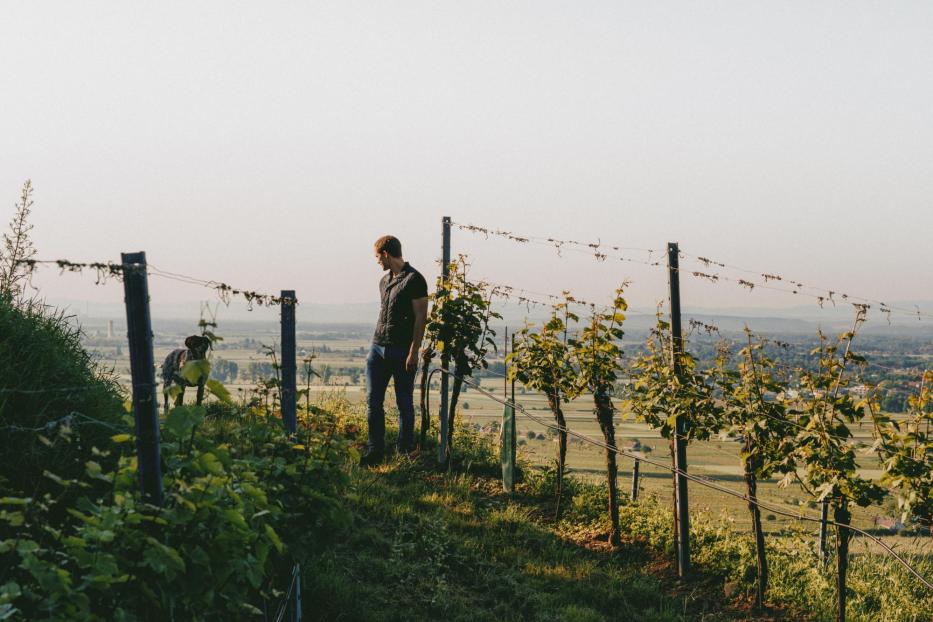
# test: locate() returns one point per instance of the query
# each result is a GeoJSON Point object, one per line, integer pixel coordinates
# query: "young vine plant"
{"type": "Point", "coordinates": [662, 392]}
{"type": "Point", "coordinates": [458, 330]}
{"type": "Point", "coordinates": [598, 357]}
{"type": "Point", "coordinates": [905, 448]}
{"type": "Point", "coordinates": [541, 360]}
{"type": "Point", "coordinates": [754, 412]}
{"type": "Point", "coordinates": [822, 449]}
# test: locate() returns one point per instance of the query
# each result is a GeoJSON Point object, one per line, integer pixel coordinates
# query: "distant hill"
{"type": "Point", "coordinates": [794, 320]}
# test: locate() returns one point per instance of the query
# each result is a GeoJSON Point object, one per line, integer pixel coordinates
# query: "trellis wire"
{"type": "Point", "coordinates": [67, 419]}
{"type": "Point", "coordinates": [709, 445]}
{"type": "Point", "coordinates": [110, 270]}
{"type": "Point", "coordinates": [53, 390]}
{"type": "Point", "coordinates": [557, 243]}
{"type": "Point", "coordinates": [782, 368]}
{"type": "Point", "coordinates": [594, 249]}
{"type": "Point", "coordinates": [522, 296]}
{"type": "Point", "coordinates": [293, 587]}
{"type": "Point", "coordinates": [694, 478]}
{"type": "Point", "coordinates": [830, 293]}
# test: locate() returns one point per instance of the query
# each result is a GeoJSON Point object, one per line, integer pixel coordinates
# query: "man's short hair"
{"type": "Point", "coordinates": [389, 244]}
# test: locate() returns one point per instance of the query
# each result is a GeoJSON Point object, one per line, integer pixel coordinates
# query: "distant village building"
{"type": "Point", "coordinates": [888, 522]}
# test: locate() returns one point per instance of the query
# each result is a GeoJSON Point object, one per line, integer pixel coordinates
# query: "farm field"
{"type": "Point", "coordinates": [717, 460]}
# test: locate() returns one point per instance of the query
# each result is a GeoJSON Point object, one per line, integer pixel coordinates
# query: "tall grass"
{"type": "Point", "coordinates": [49, 388]}
{"type": "Point", "coordinates": [880, 589]}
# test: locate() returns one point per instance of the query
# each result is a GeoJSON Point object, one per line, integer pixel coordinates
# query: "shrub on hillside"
{"type": "Point", "coordinates": [243, 501]}
{"type": "Point", "coordinates": [50, 388]}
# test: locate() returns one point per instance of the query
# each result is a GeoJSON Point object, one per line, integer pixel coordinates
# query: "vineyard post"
{"type": "Point", "coordinates": [635, 479]}
{"type": "Point", "coordinates": [289, 364]}
{"type": "Point", "coordinates": [513, 379]}
{"type": "Point", "coordinates": [142, 370]}
{"type": "Point", "coordinates": [505, 354]}
{"type": "Point", "coordinates": [507, 445]}
{"type": "Point", "coordinates": [445, 359]}
{"type": "Point", "coordinates": [680, 441]}
{"type": "Point", "coordinates": [824, 517]}
{"type": "Point", "coordinates": [296, 610]}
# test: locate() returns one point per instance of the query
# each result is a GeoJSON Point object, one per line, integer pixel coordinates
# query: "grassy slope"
{"type": "Point", "coordinates": [429, 545]}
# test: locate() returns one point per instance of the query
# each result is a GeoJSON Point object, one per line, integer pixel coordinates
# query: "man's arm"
{"type": "Point", "coordinates": [420, 308]}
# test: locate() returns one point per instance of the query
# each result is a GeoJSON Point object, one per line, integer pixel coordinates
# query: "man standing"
{"type": "Point", "coordinates": [394, 352]}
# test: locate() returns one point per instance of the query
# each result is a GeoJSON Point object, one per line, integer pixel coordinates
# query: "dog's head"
{"type": "Point", "coordinates": [198, 346]}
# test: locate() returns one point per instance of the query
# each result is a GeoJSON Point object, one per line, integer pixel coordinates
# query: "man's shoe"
{"type": "Point", "coordinates": [371, 458]}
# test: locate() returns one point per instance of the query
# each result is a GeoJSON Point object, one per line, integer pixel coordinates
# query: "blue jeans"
{"type": "Point", "coordinates": [386, 362]}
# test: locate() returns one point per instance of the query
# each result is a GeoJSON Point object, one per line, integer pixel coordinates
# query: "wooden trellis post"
{"type": "Point", "coordinates": [445, 358]}
{"type": "Point", "coordinates": [824, 517]}
{"type": "Point", "coordinates": [509, 440]}
{"type": "Point", "coordinates": [680, 430]}
{"type": "Point", "coordinates": [635, 468]}
{"type": "Point", "coordinates": [142, 370]}
{"type": "Point", "coordinates": [289, 364]}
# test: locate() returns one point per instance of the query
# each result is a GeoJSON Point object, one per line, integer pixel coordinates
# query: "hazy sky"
{"type": "Point", "coordinates": [268, 144]}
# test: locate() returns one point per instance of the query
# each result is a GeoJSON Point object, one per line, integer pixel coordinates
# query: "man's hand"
{"type": "Point", "coordinates": [420, 308]}
{"type": "Point", "coordinates": [411, 363]}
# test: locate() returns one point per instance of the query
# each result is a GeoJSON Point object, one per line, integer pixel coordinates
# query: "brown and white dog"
{"type": "Point", "coordinates": [195, 349]}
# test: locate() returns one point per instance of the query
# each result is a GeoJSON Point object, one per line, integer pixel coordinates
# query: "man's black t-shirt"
{"type": "Point", "coordinates": [396, 325]}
